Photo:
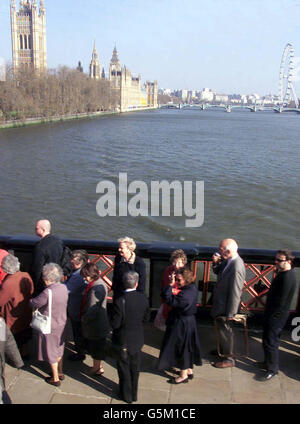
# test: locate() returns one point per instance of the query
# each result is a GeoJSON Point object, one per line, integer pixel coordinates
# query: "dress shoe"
{"type": "Point", "coordinates": [190, 376]}
{"type": "Point", "coordinates": [173, 381]}
{"type": "Point", "coordinates": [50, 380]}
{"type": "Point", "coordinates": [99, 371]}
{"type": "Point", "coordinates": [268, 375]}
{"type": "Point", "coordinates": [76, 357]}
{"type": "Point", "coordinates": [224, 364]}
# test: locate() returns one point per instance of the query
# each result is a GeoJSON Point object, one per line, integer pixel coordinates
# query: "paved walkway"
{"type": "Point", "coordinates": [237, 385]}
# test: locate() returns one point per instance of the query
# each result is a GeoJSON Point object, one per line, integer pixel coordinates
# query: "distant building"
{"type": "Point", "coordinates": [221, 98]}
{"type": "Point", "coordinates": [95, 68]}
{"type": "Point", "coordinates": [206, 95]}
{"type": "Point", "coordinates": [28, 34]}
{"type": "Point", "coordinates": [79, 67]}
{"type": "Point", "coordinates": [127, 88]}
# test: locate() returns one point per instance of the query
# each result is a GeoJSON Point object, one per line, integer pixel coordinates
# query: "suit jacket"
{"type": "Point", "coordinates": [131, 334]}
{"type": "Point", "coordinates": [228, 289]}
{"type": "Point", "coordinates": [48, 249]}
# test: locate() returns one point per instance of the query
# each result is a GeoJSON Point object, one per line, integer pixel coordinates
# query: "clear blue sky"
{"type": "Point", "coordinates": [232, 46]}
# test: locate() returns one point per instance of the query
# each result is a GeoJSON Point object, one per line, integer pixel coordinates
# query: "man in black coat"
{"type": "Point", "coordinates": [277, 308]}
{"type": "Point", "coordinates": [129, 312]}
{"type": "Point", "coordinates": [48, 249]}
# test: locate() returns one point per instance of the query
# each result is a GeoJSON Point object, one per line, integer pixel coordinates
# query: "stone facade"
{"type": "Point", "coordinates": [28, 33]}
{"type": "Point", "coordinates": [128, 89]}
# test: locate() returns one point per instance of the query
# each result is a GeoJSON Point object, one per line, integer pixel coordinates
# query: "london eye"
{"type": "Point", "coordinates": [286, 74]}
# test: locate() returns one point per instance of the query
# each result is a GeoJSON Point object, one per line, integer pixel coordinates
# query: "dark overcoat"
{"type": "Point", "coordinates": [122, 267]}
{"type": "Point", "coordinates": [94, 320]}
{"type": "Point", "coordinates": [180, 346]}
{"type": "Point", "coordinates": [131, 331]}
{"type": "Point", "coordinates": [48, 249]}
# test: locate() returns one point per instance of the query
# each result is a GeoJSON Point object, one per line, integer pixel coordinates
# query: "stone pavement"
{"type": "Point", "coordinates": [237, 385]}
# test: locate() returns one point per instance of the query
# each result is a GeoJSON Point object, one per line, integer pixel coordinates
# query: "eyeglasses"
{"type": "Point", "coordinates": [280, 260]}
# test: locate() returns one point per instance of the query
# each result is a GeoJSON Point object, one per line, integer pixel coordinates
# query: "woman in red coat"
{"type": "Point", "coordinates": [15, 293]}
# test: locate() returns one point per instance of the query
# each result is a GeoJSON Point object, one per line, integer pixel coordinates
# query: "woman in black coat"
{"type": "Point", "coordinates": [180, 346]}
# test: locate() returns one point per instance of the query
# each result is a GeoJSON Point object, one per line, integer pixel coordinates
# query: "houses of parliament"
{"type": "Point", "coordinates": [28, 33]}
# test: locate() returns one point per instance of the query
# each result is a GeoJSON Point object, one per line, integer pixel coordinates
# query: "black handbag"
{"type": "Point", "coordinates": [119, 350]}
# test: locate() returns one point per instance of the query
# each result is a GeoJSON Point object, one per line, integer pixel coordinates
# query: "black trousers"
{"type": "Point", "coordinates": [79, 341]}
{"type": "Point", "coordinates": [271, 339]}
{"type": "Point", "coordinates": [128, 372]}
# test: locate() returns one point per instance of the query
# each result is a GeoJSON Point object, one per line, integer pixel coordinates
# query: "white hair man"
{"type": "Point", "coordinates": [48, 249]}
{"type": "Point", "coordinates": [231, 272]}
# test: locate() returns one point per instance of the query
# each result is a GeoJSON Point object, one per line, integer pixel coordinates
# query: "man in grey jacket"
{"type": "Point", "coordinates": [9, 349]}
{"type": "Point", "coordinates": [231, 272]}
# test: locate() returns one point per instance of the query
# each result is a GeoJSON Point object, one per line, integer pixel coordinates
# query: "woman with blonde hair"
{"type": "Point", "coordinates": [125, 261]}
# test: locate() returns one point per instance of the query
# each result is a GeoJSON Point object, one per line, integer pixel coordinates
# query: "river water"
{"type": "Point", "coordinates": [249, 163]}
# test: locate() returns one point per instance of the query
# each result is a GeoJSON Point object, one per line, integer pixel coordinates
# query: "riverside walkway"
{"type": "Point", "coordinates": [237, 385]}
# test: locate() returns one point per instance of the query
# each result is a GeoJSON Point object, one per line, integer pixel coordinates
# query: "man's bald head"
{"type": "Point", "coordinates": [228, 248]}
{"type": "Point", "coordinates": [42, 228]}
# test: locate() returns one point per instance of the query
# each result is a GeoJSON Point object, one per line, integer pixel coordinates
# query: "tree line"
{"type": "Point", "coordinates": [56, 92]}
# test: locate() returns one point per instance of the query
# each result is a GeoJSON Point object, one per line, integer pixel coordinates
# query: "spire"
{"type": "Point", "coordinates": [13, 3]}
{"type": "Point", "coordinates": [42, 6]}
{"type": "Point", "coordinates": [115, 58]}
{"type": "Point", "coordinates": [95, 53]}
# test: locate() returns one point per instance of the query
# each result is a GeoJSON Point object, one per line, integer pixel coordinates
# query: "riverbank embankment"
{"type": "Point", "coordinates": [62, 118]}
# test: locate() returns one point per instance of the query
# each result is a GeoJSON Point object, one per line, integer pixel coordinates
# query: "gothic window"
{"type": "Point", "coordinates": [21, 42]}
{"type": "Point", "coordinates": [25, 41]}
{"type": "Point", "coordinates": [94, 71]}
{"type": "Point", "coordinates": [29, 41]}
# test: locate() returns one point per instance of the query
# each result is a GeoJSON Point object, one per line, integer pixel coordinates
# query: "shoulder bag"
{"type": "Point", "coordinates": [40, 322]}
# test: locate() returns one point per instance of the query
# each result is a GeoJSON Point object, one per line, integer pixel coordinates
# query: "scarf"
{"type": "Point", "coordinates": [84, 298]}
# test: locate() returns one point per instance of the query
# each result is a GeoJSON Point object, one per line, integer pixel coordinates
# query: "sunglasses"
{"type": "Point", "coordinates": [280, 260]}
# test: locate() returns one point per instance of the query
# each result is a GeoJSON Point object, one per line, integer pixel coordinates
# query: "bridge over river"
{"type": "Point", "coordinates": [228, 107]}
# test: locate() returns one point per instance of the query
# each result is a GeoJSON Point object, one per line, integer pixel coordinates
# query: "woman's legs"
{"type": "Point", "coordinates": [97, 366]}
{"type": "Point", "coordinates": [54, 369]}
{"type": "Point", "coordinates": [182, 376]}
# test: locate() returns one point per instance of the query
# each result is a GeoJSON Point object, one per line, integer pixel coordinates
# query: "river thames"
{"type": "Point", "coordinates": [249, 163]}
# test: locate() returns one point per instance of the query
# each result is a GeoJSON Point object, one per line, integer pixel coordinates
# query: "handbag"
{"type": "Point", "coordinates": [159, 321]}
{"type": "Point", "coordinates": [40, 322]}
{"type": "Point", "coordinates": [119, 350]}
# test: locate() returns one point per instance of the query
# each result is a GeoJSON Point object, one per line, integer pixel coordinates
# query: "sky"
{"type": "Point", "coordinates": [230, 46]}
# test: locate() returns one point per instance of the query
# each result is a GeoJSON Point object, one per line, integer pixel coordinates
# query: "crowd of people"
{"type": "Point", "coordinates": [81, 297]}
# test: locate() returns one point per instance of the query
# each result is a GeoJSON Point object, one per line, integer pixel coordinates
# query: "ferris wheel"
{"type": "Point", "coordinates": [286, 75]}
